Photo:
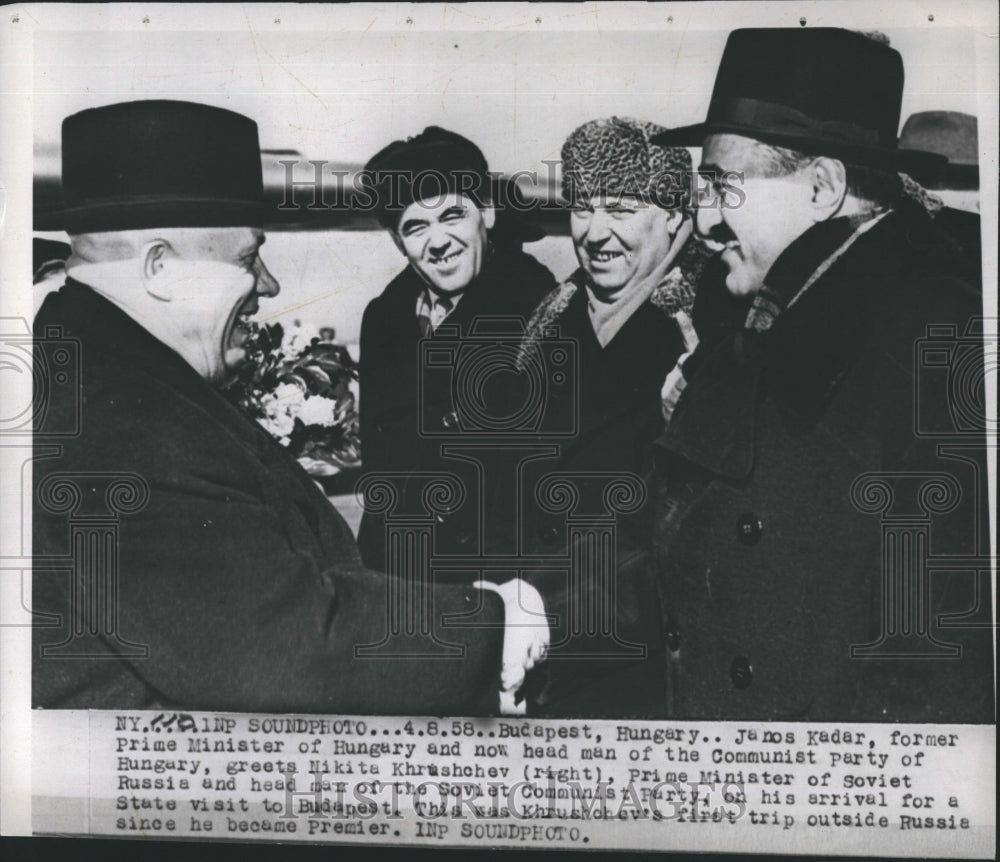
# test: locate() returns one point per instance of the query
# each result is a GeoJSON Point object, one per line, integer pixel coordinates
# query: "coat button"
{"type": "Point", "coordinates": [748, 528]}
{"type": "Point", "coordinates": [740, 672]}
{"type": "Point", "coordinates": [549, 535]}
{"type": "Point", "coordinates": [673, 639]}
{"type": "Point", "coordinates": [450, 420]}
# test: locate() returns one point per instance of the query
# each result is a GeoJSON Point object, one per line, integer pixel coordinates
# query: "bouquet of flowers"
{"type": "Point", "coordinates": [302, 389]}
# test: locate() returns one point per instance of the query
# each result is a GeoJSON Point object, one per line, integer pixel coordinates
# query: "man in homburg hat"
{"type": "Point", "coordinates": [824, 508]}
{"type": "Point", "coordinates": [183, 557]}
{"type": "Point", "coordinates": [955, 136]}
{"type": "Point", "coordinates": [434, 196]}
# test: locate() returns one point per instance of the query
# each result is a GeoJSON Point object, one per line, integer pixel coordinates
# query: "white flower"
{"type": "Point", "coordinates": [298, 336]}
{"type": "Point", "coordinates": [278, 425]}
{"type": "Point", "coordinates": [280, 408]}
{"type": "Point", "coordinates": [318, 410]}
{"type": "Point", "coordinates": [291, 395]}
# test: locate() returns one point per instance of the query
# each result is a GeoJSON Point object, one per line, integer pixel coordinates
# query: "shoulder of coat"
{"type": "Point", "coordinates": [546, 314]}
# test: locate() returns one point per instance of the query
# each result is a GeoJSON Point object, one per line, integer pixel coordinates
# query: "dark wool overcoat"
{"type": "Point", "coordinates": [598, 431]}
{"type": "Point", "coordinates": [239, 587]}
{"type": "Point", "coordinates": [822, 505]}
{"type": "Point", "coordinates": [430, 407]}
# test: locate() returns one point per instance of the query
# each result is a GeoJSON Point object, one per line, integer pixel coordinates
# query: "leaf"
{"type": "Point", "coordinates": [318, 372]}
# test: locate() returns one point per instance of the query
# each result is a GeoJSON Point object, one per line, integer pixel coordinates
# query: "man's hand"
{"type": "Point", "coordinates": [525, 640]}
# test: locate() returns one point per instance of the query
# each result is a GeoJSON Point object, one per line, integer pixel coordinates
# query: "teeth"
{"type": "Point", "coordinates": [716, 246]}
{"type": "Point", "coordinates": [449, 257]}
{"type": "Point", "coordinates": [605, 256]}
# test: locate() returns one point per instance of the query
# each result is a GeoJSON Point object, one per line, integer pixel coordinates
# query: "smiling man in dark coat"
{"type": "Point", "coordinates": [627, 310]}
{"type": "Point", "coordinates": [183, 557]}
{"type": "Point", "coordinates": [823, 505]}
{"type": "Point", "coordinates": [434, 197]}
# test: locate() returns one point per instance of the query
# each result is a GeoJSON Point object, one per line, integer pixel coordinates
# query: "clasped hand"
{"type": "Point", "coordinates": [526, 637]}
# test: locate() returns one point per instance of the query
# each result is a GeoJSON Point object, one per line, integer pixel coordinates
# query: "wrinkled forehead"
{"type": "Point", "coordinates": [729, 152]}
{"type": "Point", "coordinates": [434, 207]}
{"type": "Point", "coordinates": [436, 203]}
{"type": "Point", "coordinates": [615, 200]}
{"type": "Point", "coordinates": [191, 242]}
{"type": "Point", "coordinates": [216, 241]}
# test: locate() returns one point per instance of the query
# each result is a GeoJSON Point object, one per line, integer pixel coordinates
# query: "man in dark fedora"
{"type": "Point", "coordinates": [807, 488]}
{"type": "Point", "coordinates": [955, 136]}
{"type": "Point", "coordinates": [434, 195]}
{"type": "Point", "coordinates": [183, 557]}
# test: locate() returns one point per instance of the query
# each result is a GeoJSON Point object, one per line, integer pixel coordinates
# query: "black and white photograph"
{"type": "Point", "coordinates": [606, 391]}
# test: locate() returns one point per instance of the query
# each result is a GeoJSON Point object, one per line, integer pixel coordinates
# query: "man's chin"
{"type": "Point", "coordinates": [233, 360]}
{"type": "Point", "coordinates": [739, 282]}
{"type": "Point", "coordinates": [607, 290]}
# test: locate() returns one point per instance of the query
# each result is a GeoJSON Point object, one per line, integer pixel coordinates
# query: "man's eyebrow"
{"type": "Point", "coordinates": [453, 210]}
{"type": "Point", "coordinates": [412, 222]}
{"type": "Point", "coordinates": [710, 168]}
{"type": "Point", "coordinates": [254, 245]}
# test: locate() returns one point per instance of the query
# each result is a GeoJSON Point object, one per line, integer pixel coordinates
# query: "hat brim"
{"type": "Point", "coordinates": [139, 213]}
{"type": "Point", "coordinates": [907, 161]}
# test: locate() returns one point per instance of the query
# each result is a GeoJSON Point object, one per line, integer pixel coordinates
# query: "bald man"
{"type": "Point", "coordinates": [190, 561]}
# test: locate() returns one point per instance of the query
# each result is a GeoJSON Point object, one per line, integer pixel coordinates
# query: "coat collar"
{"type": "Point", "coordinates": [674, 294]}
{"type": "Point", "coordinates": [501, 271]}
{"type": "Point", "coordinates": [800, 360]}
{"type": "Point", "coordinates": [109, 335]}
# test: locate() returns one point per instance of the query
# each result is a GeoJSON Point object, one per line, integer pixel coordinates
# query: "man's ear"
{"type": "Point", "coordinates": [397, 241]}
{"type": "Point", "coordinates": [675, 218]}
{"type": "Point", "coordinates": [829, 180]}
{"type": "Point", "coordinates": [153, 256]}
{"type": "Point", "coordinates": [489, 216]}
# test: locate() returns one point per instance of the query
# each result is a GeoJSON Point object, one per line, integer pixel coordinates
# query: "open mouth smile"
{"type": "Point", "coordinates": [447, 259]}
{"type": "Point", "coordinates": [242, 323]}
{"type": "Point", "coordinates": [719, 247]}
{"type": "Point", "coordinates": [605, 256]}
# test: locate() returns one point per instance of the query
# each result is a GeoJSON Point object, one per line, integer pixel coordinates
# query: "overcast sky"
{"type": "Point", "coordinates": [342, 95]}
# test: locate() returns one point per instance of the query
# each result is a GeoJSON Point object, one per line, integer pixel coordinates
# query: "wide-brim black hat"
{"type": "Point", "coordinates": [157, 163]}
{"type": "Point", "coordinates": [951, 134]}
{"type": "Point", "coordinates": [822, 91]}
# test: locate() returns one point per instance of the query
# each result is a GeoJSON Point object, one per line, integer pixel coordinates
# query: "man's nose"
{"type": "Point", "coordinates": [267, 284]}
{"type": "Point", "coordinates": [707, 217]}
{"type": "Point", "coordinates": [438, 241]}
{"type": "Point", "coordinates": [598, 227]}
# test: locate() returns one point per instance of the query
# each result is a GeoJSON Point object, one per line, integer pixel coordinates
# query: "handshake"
{"type": "Point", "coordinates": [525, 639]}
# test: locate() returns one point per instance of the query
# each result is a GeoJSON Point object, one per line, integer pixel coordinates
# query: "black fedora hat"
{"type": "Point", "coordinates": [822, 91]}
{"type": "Point", "coordinates": [157, 163]}
{"type": "Point", "coordinates": [951, 134]}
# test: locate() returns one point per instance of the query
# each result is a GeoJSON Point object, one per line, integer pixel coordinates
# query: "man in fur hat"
{"type": "Point", "coordinates": [183, 558]}
{"type": "Point", "coordinates": [813, 471]}
{"type": "Point", "coordinates": [628, 311]}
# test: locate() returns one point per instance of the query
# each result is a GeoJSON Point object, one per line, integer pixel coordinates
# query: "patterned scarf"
{"type": "Point", "coordinates": [672, 295]}
{"type": "Point", "coordinates": [782, 292]}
